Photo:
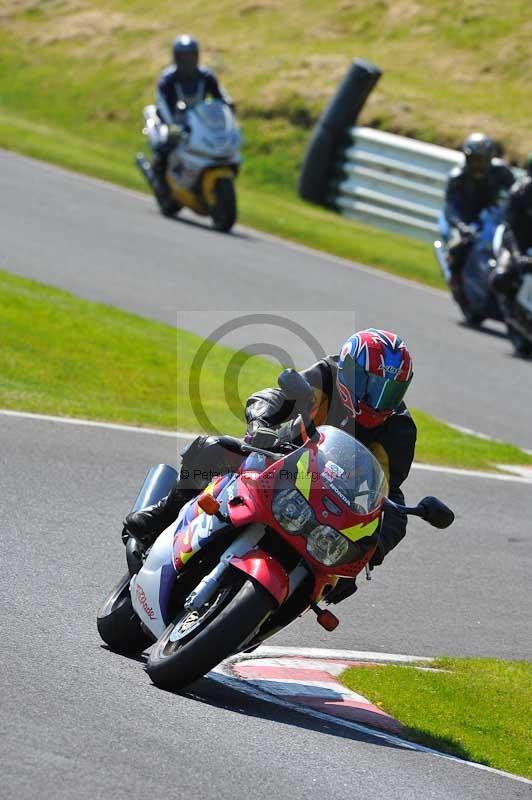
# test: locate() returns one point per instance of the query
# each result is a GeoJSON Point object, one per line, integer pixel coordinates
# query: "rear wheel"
{"type": "Point", "coordinates": [224, 210]}
{"type": "Point", "coordinates": [118, 624]}
{"type": "Point", "coordinates": [521, 345]}
{"type": "Point", "coordinates": [195, 642]}
{"type": "Point", "coordinates": [471, 317]}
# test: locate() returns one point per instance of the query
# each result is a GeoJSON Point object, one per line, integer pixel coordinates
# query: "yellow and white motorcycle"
{"type": "Point", "coordinates": [203, 160]}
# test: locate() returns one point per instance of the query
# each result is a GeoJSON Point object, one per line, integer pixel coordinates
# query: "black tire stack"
{"type": "Point", "coordinates": [330, 131]}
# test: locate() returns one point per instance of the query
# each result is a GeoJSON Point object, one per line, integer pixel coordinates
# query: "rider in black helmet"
{"type": "Point", "coordinates": [514, 256]}
{"type": "Point", "coordinates": [480, 183]}
{"type": "Point", "coordinates": [185, 81]}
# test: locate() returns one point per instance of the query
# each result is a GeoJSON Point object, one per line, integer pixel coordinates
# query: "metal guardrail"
{"type": "Point", "coordinates": [392, 182]}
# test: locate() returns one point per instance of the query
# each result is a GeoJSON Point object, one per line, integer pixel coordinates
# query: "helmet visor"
{"type": "Point", "coordinates": [478, 163]}
{"type": "Point", "coordinates": [381, 394]}
{"type": "Point", "coordinates": [187, 61]}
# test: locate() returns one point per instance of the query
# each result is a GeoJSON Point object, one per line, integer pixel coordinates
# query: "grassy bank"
{"type": "Point", "coordinates": [74, 75]}
{"type": "Point", "coordinates": [62, 355]}
{"type": "Point", "coordinates": [280, 213]}
{"type": "Point", "coordinates": [478, 709]}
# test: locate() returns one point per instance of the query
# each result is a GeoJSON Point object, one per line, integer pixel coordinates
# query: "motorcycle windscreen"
{"type": "Point", "coordinates": [342, 468]}
{"type": "Point", "coordinates": [213, 115]}
{"type": "Point", "coordinates": [351, 470]}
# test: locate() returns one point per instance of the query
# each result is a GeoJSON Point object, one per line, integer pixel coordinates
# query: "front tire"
{"type": "Point", "coordinates": [168, 206]}
{"type": "Point", "coordinates": [182, 655]}
{"type": "Point", "coordinates": [224, 210]}
{"type": "Point", "coordinates": [118, 624]}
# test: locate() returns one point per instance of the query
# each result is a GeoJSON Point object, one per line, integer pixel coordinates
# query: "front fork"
{"type": "Point", "coordinates": [244, 555]}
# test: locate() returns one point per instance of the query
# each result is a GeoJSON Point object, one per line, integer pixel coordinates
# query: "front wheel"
{"type": "Point", "coordinates": [224, 210]}
{"type": "Point", "coordinates": [118, 624]}
{"type": "Point", "coordinates": [168, 206]}
{"type": "Point", "coordinates": [197, 641]}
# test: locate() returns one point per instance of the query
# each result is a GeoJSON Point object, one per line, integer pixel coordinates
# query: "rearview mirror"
{"type": "Point", "coordinates": [436, 512]}
{"type": "Point", "coordinates": [232, 444]}
{"type": "Point", "coordinates": [294, 386]}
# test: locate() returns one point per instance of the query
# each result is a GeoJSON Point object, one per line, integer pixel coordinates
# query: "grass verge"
{"type": "Point", "coordinates": [66, 356]}
{"type": "Point", "coordinates": [277, 212]}
{"type": "Point", "coordinates": [74, 75]}
{"type": "Point", "coordinates": [478, 709]}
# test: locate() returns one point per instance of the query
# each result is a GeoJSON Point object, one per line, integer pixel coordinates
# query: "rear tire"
{"type": "Point", "coordinates": [521, 345]}
{"type": "Point", "coordinates": [118, 624]}
{"type": "Point", "coordinates": [473, 319]}
{"type": "Point", "coordinates": [179, 657]}
{"type": "Point", "coordinates": [224, 211]}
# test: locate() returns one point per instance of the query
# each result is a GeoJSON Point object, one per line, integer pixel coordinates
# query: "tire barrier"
{"type": "Point", "coordinates": [330, 131]}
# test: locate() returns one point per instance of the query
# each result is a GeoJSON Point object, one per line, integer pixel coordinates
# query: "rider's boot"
{"type": "Point", "coordinates": [146, 525]}
{"type": "Point", "coordinates": [158, 165]}
{"type": "Point", "coordinates": [343, 589]}
{"type": "Point", "coordinates": [457, 289]}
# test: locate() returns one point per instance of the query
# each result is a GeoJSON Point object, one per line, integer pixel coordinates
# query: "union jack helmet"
{"type": "Point", "coordinates": [374, 372]}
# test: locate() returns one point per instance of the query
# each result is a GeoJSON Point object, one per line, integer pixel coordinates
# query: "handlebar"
{"type": "Point", "coordinates": [430, 509]}
{"type": "Point", "coordinates": [240, 447]}
{"type": "Point", "coordinates": [295, 387]}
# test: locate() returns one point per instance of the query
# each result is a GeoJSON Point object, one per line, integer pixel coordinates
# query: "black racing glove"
{"type": "Point", "coordinates": [524, 264]}
{"type": "Point", "coordinates": [343, 589]}
{"type": "Point", "coordinates": [378, 556]}
{"type": "Point", "coordinates": [259, 435]}
{"type": "Point", "coordinates": [467, 232]}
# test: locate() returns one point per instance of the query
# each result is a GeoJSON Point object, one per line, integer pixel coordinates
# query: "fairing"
{"type": "Point", "coordinates": [334, 489]}
{"type": "Point", "coordinates": [338, 482]}
{"type": "Point", "coordinates": [195, 528]}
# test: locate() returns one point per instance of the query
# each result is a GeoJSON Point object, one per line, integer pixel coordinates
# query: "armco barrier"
{"type": "Point", "coordinates": [375, 177]}
{"type": "Point", "coordinates": [391, 181]}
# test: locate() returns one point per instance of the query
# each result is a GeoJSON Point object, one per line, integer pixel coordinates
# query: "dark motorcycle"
{"type": "Point", "coordinates": [477, 301]}
{"type": "Point", "coordinates": [516, 306]}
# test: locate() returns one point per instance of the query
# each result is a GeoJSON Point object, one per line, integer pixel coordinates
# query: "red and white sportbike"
{"type": "Point", "coordinates": [253, 552]}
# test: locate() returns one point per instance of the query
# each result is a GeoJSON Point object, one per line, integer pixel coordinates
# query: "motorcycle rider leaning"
{"type": "Point", "coordinates": [361, 391]}
{"type": "Point", "coordinates": [513, 257]}
{"type": "Point", "coordinates": [480, 183]}
{"type": "Point", "coordinates": [185, 81]}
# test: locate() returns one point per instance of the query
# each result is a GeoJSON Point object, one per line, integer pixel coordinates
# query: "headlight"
{"type": "Point", "coordinates": [327, 545]}
{"type": "Point", "coordinates": [291, 510]}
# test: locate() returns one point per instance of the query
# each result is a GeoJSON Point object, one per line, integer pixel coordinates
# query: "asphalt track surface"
{"type": "Point", "coordinates": [104, 243]}
{"type": "Point", "coordinates": [82, 722]}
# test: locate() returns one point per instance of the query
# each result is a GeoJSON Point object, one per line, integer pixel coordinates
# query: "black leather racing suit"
{"type": "Point", "coordinates": [392, 443]}
{"type": "Point", "coordinates": [517, 239]}
{"type": "Point", "coordinates": [465, 198]}
{"type": "Point", "coordinates": [173, 87]}
{"type": "Point", "coordinates": [518, 217]}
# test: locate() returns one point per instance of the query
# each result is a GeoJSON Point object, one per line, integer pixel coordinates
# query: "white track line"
{"type": "Point", "coordinates": [187, 436]}
{"type": "Point", "coordinates": [89, 423]}
{"type": "Point", "coordinates": [224, 675]}
{"type": "Point", "coordinates": [471, 473]}
{"type": "Point", "coordinates": [266, 651]}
